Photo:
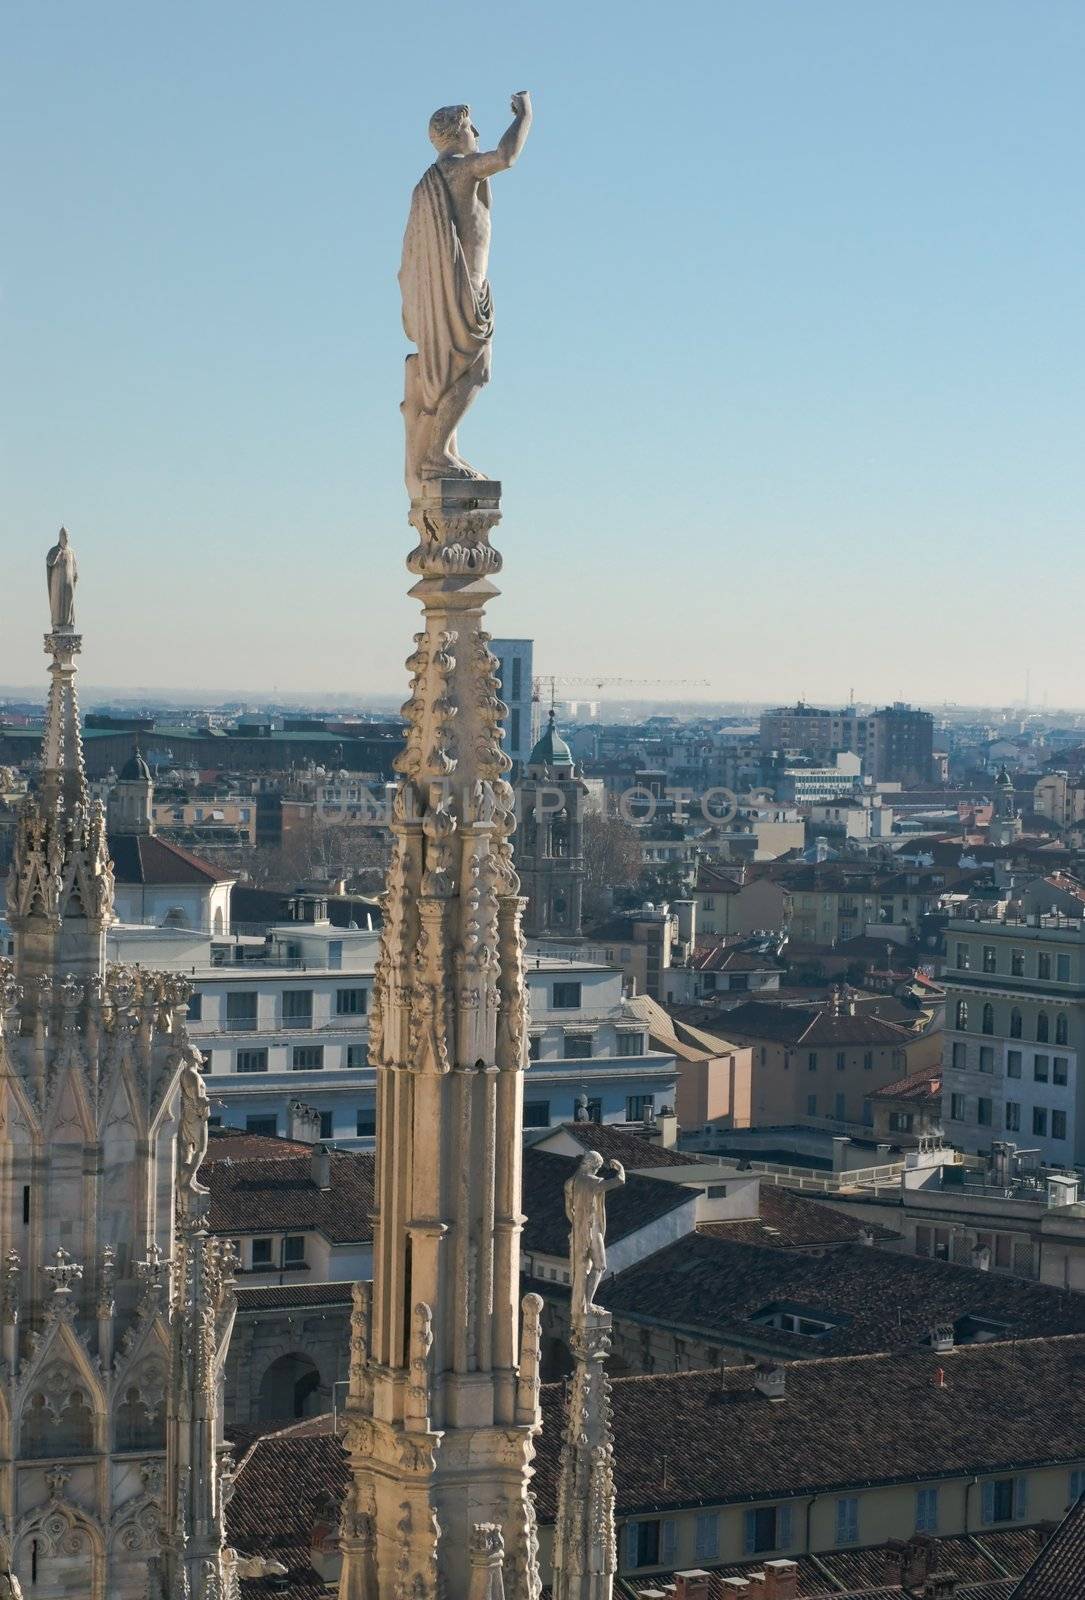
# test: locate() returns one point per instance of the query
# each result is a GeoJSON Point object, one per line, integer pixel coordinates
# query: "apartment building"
{"type": "Point", "coordinates": [895, 744]}
{"type": "Point", "coordinates": [1015, 1030]}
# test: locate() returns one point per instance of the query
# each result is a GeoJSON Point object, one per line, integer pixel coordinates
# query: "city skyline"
{"type": "Point", "coordinates": [847, 348]}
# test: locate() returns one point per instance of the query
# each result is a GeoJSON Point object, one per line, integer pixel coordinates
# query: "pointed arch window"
{"type": "Point", "coordinates": [1043, 1027]}
{"type": "Point", "coordinates": [1062, 1028]}
{"type": "Point", "coordinates": [1015, 1024]}
{"type": "Point", "coordinates": [988, 1023]}
{"type": "Point", "coordinates": [962, 1014]}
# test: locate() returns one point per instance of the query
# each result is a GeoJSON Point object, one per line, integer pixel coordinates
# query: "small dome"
{"type": "Point", "coordinates": [551, 750]}
{"type": "Point", "coordinates": [135, 769]}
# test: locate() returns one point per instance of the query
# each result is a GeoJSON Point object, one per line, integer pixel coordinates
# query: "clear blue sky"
{"type": "Point", "coordinates": [788, 386]}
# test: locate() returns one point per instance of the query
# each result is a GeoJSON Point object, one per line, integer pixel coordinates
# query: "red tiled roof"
{"type": "Point", "coordinates": [287, 1296]}
{"type": "Point", "coordinates": [812, 1025]}
{"type": "Point", "coordinates": [628, 1148]}
{"type": "Point", "coordinates": [1058, 1572]}
{"type": "Point", "coordinates": [918, 1086]}
{"type": "Point", "coordinates": [787, 1220]}
{"type": "Point", "coordinates": [268, 1196]}
{"type": "Point", "coordinates": [147, 858]}
{"type": "Point", "coordinates": [708, 1438]}
{"type": "Point", "coordinates": [235, 1144]}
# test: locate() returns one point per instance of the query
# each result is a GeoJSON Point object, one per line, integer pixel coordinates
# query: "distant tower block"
{"type": "Point", "coordinates": [550, 840]}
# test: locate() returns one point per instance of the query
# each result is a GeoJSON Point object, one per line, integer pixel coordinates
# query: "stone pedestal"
{"type": "Point", "coordinates": [585, 1557]}
{"type": "Point", "coordinates": [437, 1423]}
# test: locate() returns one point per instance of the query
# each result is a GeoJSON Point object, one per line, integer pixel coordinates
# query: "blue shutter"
{"type": "Point", "coordinates": [926, 1511]}
{"type": "Point", "coordinates": [989, 1501]}
{"type": "Point", "coordinates": [708, 1536]}
{"type": "Point", "coordinates": [783, 1527]}
{"type": "Point", "coordinates": [749, 1541]}
{"type": "Point", "coordinates": [847, 1520]}
{"type": "Point", "coordinates": [668, 1551]}
{"type": "Point", "coordinates": [631, 1544]}
{"type": "Point", "coordinates": [1077, 1484]}
{"type": "Point", "coordinates": [1020, 1499]}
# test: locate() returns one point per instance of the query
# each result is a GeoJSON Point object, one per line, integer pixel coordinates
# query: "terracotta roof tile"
{"type": "Point", "coordinates": [147, 858]}
{"type": "Point", "coordinates": [874, 1300]}
{"type": "Point", "coordinates": [269, 1195]}
{"type": "Point", "coordinates": [708, 1438]}
{"type": "Point", "coordinates": [787, 1220]}
{"type": "Point", "coordinates": [629, 1148]}
{"type": "Point", "coordinates": [1059, 1570]}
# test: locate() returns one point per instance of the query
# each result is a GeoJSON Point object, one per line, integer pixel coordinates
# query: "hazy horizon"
{"type": "Point", "coordinates": [788, 377]}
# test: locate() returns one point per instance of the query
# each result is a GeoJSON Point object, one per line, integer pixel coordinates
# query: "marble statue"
{"type": "Point", "coordinates": [194, 1122]}
{"type": "Point", "coordinates": [585, 1208]}
{"type": "Point", "coordinates": [61, 576]}
{"type": "Point", "coordinates": [447, 309]}
{"type": "Point", "coordinates": [10, 1588]}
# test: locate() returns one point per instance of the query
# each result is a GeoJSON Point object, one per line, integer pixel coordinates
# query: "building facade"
{"type": "Point", "coordinates": [515, 665]}
{"type": "Point", "coordinates": [1015, 1030]}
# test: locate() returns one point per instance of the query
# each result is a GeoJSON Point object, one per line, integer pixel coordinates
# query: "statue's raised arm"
{"type": "Point", "coordinates": [447, 307]}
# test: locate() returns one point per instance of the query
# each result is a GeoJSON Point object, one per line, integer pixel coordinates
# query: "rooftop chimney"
{"type": "Point", "coordinates": [942, 1340]}
{"type": "Point", "coordinates": [320, 1166]}
{"type": "Point", "coordinates": [695, 1584]}
{"type": "Point", "coordinates": [908, 1564]}
{"type": "Point", "coordinates": [940, 1586]}
{"type": "Point", "coordinates": [771, 1381]}
{"type": "Point", "coordinates": [781, 1580]}
{"type": "Point", "coordinates": [981, 1258]}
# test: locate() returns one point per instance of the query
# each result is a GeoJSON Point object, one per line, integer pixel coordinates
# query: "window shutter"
{"type": "Point", "coordinates": [669, 1541]}
{"type": "Point", "coordinates": [631, 1544]}
{"type": "Point", "coordinates": [841, 1521]}
{"type": "Point", "coordinates": [989, 1501]}
{"type": "Point", "coordinates": [853, 1522]}
{"type": "Point", "coordinates": [708, 1536]}
{"type": "Point", "coordinates": [750, 1533]}
{"type": "Point", "coordinates": [783, 1527]}
{"type": "Point", "coordinates": [1020, 1499]}
{"type": "Point", "coordinates": [1077, 1484]}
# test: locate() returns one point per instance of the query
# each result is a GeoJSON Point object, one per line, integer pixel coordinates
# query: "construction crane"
{"type": "Point", "coordinates": [601, 681]}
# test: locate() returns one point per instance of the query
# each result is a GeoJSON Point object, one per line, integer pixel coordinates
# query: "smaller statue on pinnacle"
{"type": "Point", "coordinates": [585, 1208]}
{"type": "Point", "coordinates": [61, 576]}
{"type": "Point", "coordinates": [447, 308]}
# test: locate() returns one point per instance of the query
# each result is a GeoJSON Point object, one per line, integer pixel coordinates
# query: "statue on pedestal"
{"type": "Point", "coordinates": [193, 1124]}
{"type": "Point", "coordinates": [447, 308]}
{"type": "Point", "coordinates": [585, 1208]}
{"type": "Point", "coordinates": [61, 576]}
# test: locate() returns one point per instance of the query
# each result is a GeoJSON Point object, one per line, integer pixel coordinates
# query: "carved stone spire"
{"type": "Point", "coordinates": [440, 1419]}
{"type": "Point", "coordinates": [585, 1554]}
{"type": "Point", "coordinates": [60, 890]}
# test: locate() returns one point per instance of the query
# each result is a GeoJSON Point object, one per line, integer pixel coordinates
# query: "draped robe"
{"type": "Point", "coordinates": [451, 323]}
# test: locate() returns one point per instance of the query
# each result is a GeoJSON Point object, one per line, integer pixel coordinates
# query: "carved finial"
{"type": "Point", "coordinates": [64, 1274]}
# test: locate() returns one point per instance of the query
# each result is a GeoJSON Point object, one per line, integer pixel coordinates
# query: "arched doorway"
{"type": "Point", "coordinates": [290, 1389]}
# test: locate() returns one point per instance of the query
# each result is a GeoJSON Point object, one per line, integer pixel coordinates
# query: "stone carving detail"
{"type": "Point", "coordinates": [64, 1275]}
{"type": "Point", "coordinates": [585, 1551]}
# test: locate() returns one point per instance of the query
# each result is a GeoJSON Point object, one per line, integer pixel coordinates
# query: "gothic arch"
{"type": "Point", "coordinates": [60, 1379]}
{"type": "Point", "coordinates": [288, 1382]}
{"type": "Point", "coordinates": [60, 1542]}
